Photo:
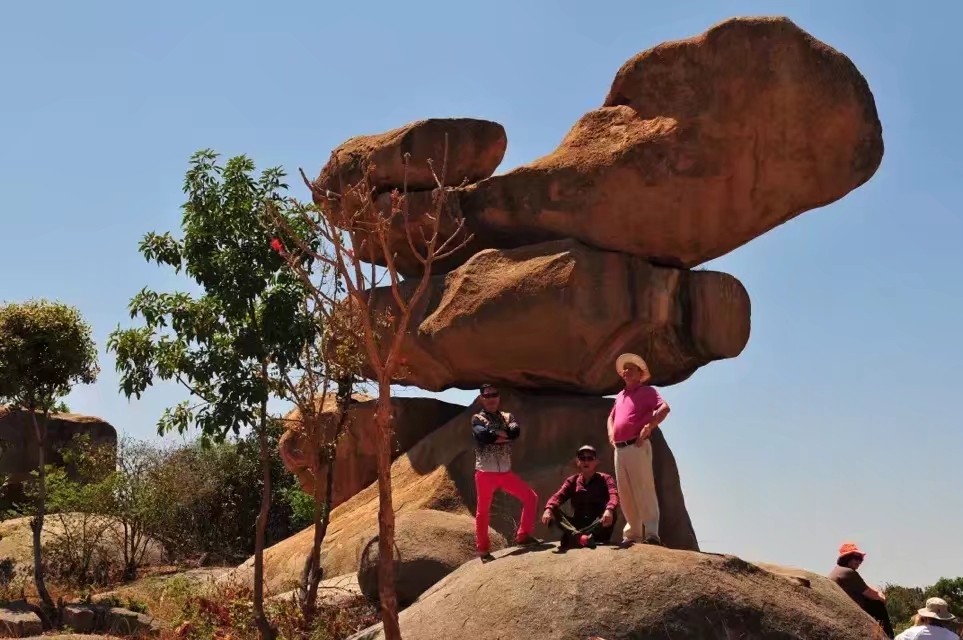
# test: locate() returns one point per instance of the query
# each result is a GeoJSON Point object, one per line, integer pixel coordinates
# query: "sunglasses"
{"type": "Point", "coordinates": [490, 395]}
{"type": "Point", "coordinates": [586, 457]}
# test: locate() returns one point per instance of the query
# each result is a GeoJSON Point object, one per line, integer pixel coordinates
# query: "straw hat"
{"type": "Point", "coordinates": [631, 358]}
{"type": "Point", "coordinates": [936, 608]}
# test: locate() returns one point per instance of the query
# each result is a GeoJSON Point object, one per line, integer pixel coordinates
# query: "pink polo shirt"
{"type": "Point", "coordinates": [633, 410]}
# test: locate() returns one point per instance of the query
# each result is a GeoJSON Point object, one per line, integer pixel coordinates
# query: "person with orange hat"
{"type": "Point", "coordinates": [870, 599]}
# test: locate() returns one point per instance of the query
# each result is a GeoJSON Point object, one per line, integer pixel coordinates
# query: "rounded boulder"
{"type": "Point", "coordinates": [429, 545]}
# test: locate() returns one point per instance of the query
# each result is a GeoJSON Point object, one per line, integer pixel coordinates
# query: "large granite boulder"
{"type": "Point", "coordinates": [700, 146]}
{"type": "Point", "coordinates": [356, 459]}
{"type": "Point", "coordinates": [19, 453]}
{"type": "Point", "coordinates": [642, 592]}
{"type": "Point", "coordinates": [438, 473]}
{"type": "Point", "coordinates": [554, 317]}
{"type": "Point", "coordinates": [429, 545]}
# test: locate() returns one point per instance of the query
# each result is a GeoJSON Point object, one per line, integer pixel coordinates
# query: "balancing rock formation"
{"type": "Point", "coordinates": [700, 146]}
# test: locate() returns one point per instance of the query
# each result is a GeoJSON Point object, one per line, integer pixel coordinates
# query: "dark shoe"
{"type": "Point", "coordinates": [626, 543]}
{"type": "Point", "coordinates": [527, 541]}
{"type": "Point", "coordinates": [485, 557]}
{"type": "Point", "coordinates": [651, 539]}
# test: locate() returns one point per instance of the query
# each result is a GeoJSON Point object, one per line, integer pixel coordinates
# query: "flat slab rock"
{"type": "Point", "coordinates": [20, 620]}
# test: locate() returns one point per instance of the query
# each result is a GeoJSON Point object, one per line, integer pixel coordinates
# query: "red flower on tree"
{"type": "Point", "coordinates": [277, 246]}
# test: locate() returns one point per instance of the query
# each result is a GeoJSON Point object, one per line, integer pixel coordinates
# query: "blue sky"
{"type": "Point", "coordinates": [839, 421]}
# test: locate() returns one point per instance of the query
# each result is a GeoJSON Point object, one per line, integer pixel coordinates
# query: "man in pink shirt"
{"type": "Point", "coordinates": [638, 410]}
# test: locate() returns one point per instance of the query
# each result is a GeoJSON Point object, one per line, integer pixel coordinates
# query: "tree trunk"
{"type": "Point", "coordinates": [311, 577]}
{"type": "Point", "coordinates": [41, 432]}
{"type": "Point", "coordinates": [263, 624]}
{"type": "Point", "coordinates": [386, 517]}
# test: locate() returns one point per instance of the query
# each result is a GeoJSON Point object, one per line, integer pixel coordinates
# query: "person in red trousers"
{"type": "Point", "coordinates": [494, 431]}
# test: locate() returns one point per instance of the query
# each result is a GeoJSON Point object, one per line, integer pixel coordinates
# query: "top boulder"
{"type": "Point", "coordinates": [701, 146]}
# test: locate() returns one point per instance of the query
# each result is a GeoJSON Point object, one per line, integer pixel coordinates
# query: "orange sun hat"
{"type": "Point", "coordinates": [850, 548]}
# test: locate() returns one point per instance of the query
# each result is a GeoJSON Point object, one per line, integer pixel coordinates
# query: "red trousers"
{"type": "Point", "coordinates": [486, 482]}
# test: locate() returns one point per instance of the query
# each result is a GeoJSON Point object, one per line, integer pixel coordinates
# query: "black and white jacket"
{"type": "Point", "coordinates": [489, 455]}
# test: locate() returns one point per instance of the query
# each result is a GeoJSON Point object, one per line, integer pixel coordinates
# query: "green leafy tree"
{"type": "Point", "coordinates": [902, 603]}
{"type": "Point", "coordinates": [45, 349]}
{"type": "Point", "coordinates": [951, 590]}
{"type": "Point", "coordinates": [225, 345]}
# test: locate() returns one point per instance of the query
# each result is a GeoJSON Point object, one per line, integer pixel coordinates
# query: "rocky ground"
{"type": "Point", "coordinates": [641, 592]}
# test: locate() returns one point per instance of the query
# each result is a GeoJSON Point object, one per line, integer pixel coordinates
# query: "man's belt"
{"type": "Point", "coordinates": [626, 443]}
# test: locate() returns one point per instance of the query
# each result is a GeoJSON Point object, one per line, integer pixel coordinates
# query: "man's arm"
{"type": "Point", "coordinates": [481, 432]}
{"type": "Point", "coordinates": [611, 426]}
{"type": "Point", "coordinates": [859, 585]}
{"type": "Point", "coordinates": [561, 496]}
{"type": "Point", "coordinates": [513, 430]}
{"type": "Point", "coordinates": [613, 494]}
{"type": "Point", "coordinates": [608, 516]}
{"type": "Point", "coordinates": [659, 414]}
{"type": "Point", "coordinates": [874, 594]}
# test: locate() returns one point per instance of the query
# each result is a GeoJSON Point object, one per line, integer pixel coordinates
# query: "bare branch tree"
{"type": "Point", "coordinates": [351, 236]}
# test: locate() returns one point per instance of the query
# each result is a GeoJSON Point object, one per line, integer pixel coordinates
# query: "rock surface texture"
{"type": "Point", "coordinates": [642, 592]}
{"type": "Point", "coordinates": [700, 146]}
{"type": "Point", "coordinates": [429, 545]}
{"type": "Point", "coordinates": [475, 149]}
{"type": "Point", "coordinates": [553, 317]}
{"type": "Point", "coordinates": [356, 463]}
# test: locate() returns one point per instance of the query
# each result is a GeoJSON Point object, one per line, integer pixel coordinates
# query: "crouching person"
{"type": "Point", "coordinates": [594, 497]}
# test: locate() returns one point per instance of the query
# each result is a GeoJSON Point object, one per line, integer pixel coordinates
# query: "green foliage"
{"type": "Point", "coordinates": [903, 602]}
{"type": "Point", "coordinates": [212, 497]}
{"type": "Point", "coordinates": [130, 603]}
{"type": "Point", "coordinates": [45, 349]}
{"type": "Point", "coordinates": [301, 505]}
{"type": "Point", "coordinates": [224, 611]}
{"type": "Point", "coordinates": [60, 407]}
{"type": "Point", "coordinates": [248, 319]}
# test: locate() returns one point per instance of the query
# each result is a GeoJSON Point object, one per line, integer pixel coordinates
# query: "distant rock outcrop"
{"type": "Point", "coordinates": [19, 454]}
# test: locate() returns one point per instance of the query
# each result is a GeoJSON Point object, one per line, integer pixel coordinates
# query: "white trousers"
{"type": "Point", "coordinates": [637, 497]}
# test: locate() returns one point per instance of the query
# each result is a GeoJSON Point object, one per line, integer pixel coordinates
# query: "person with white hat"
{"type": "Point", "coordinates": [932, 621]}
{"type": "Point", "coordinates": [637, 412]}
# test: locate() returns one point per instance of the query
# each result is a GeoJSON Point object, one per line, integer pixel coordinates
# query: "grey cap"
{"type": "Point", "coordinates": [587, 447]}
